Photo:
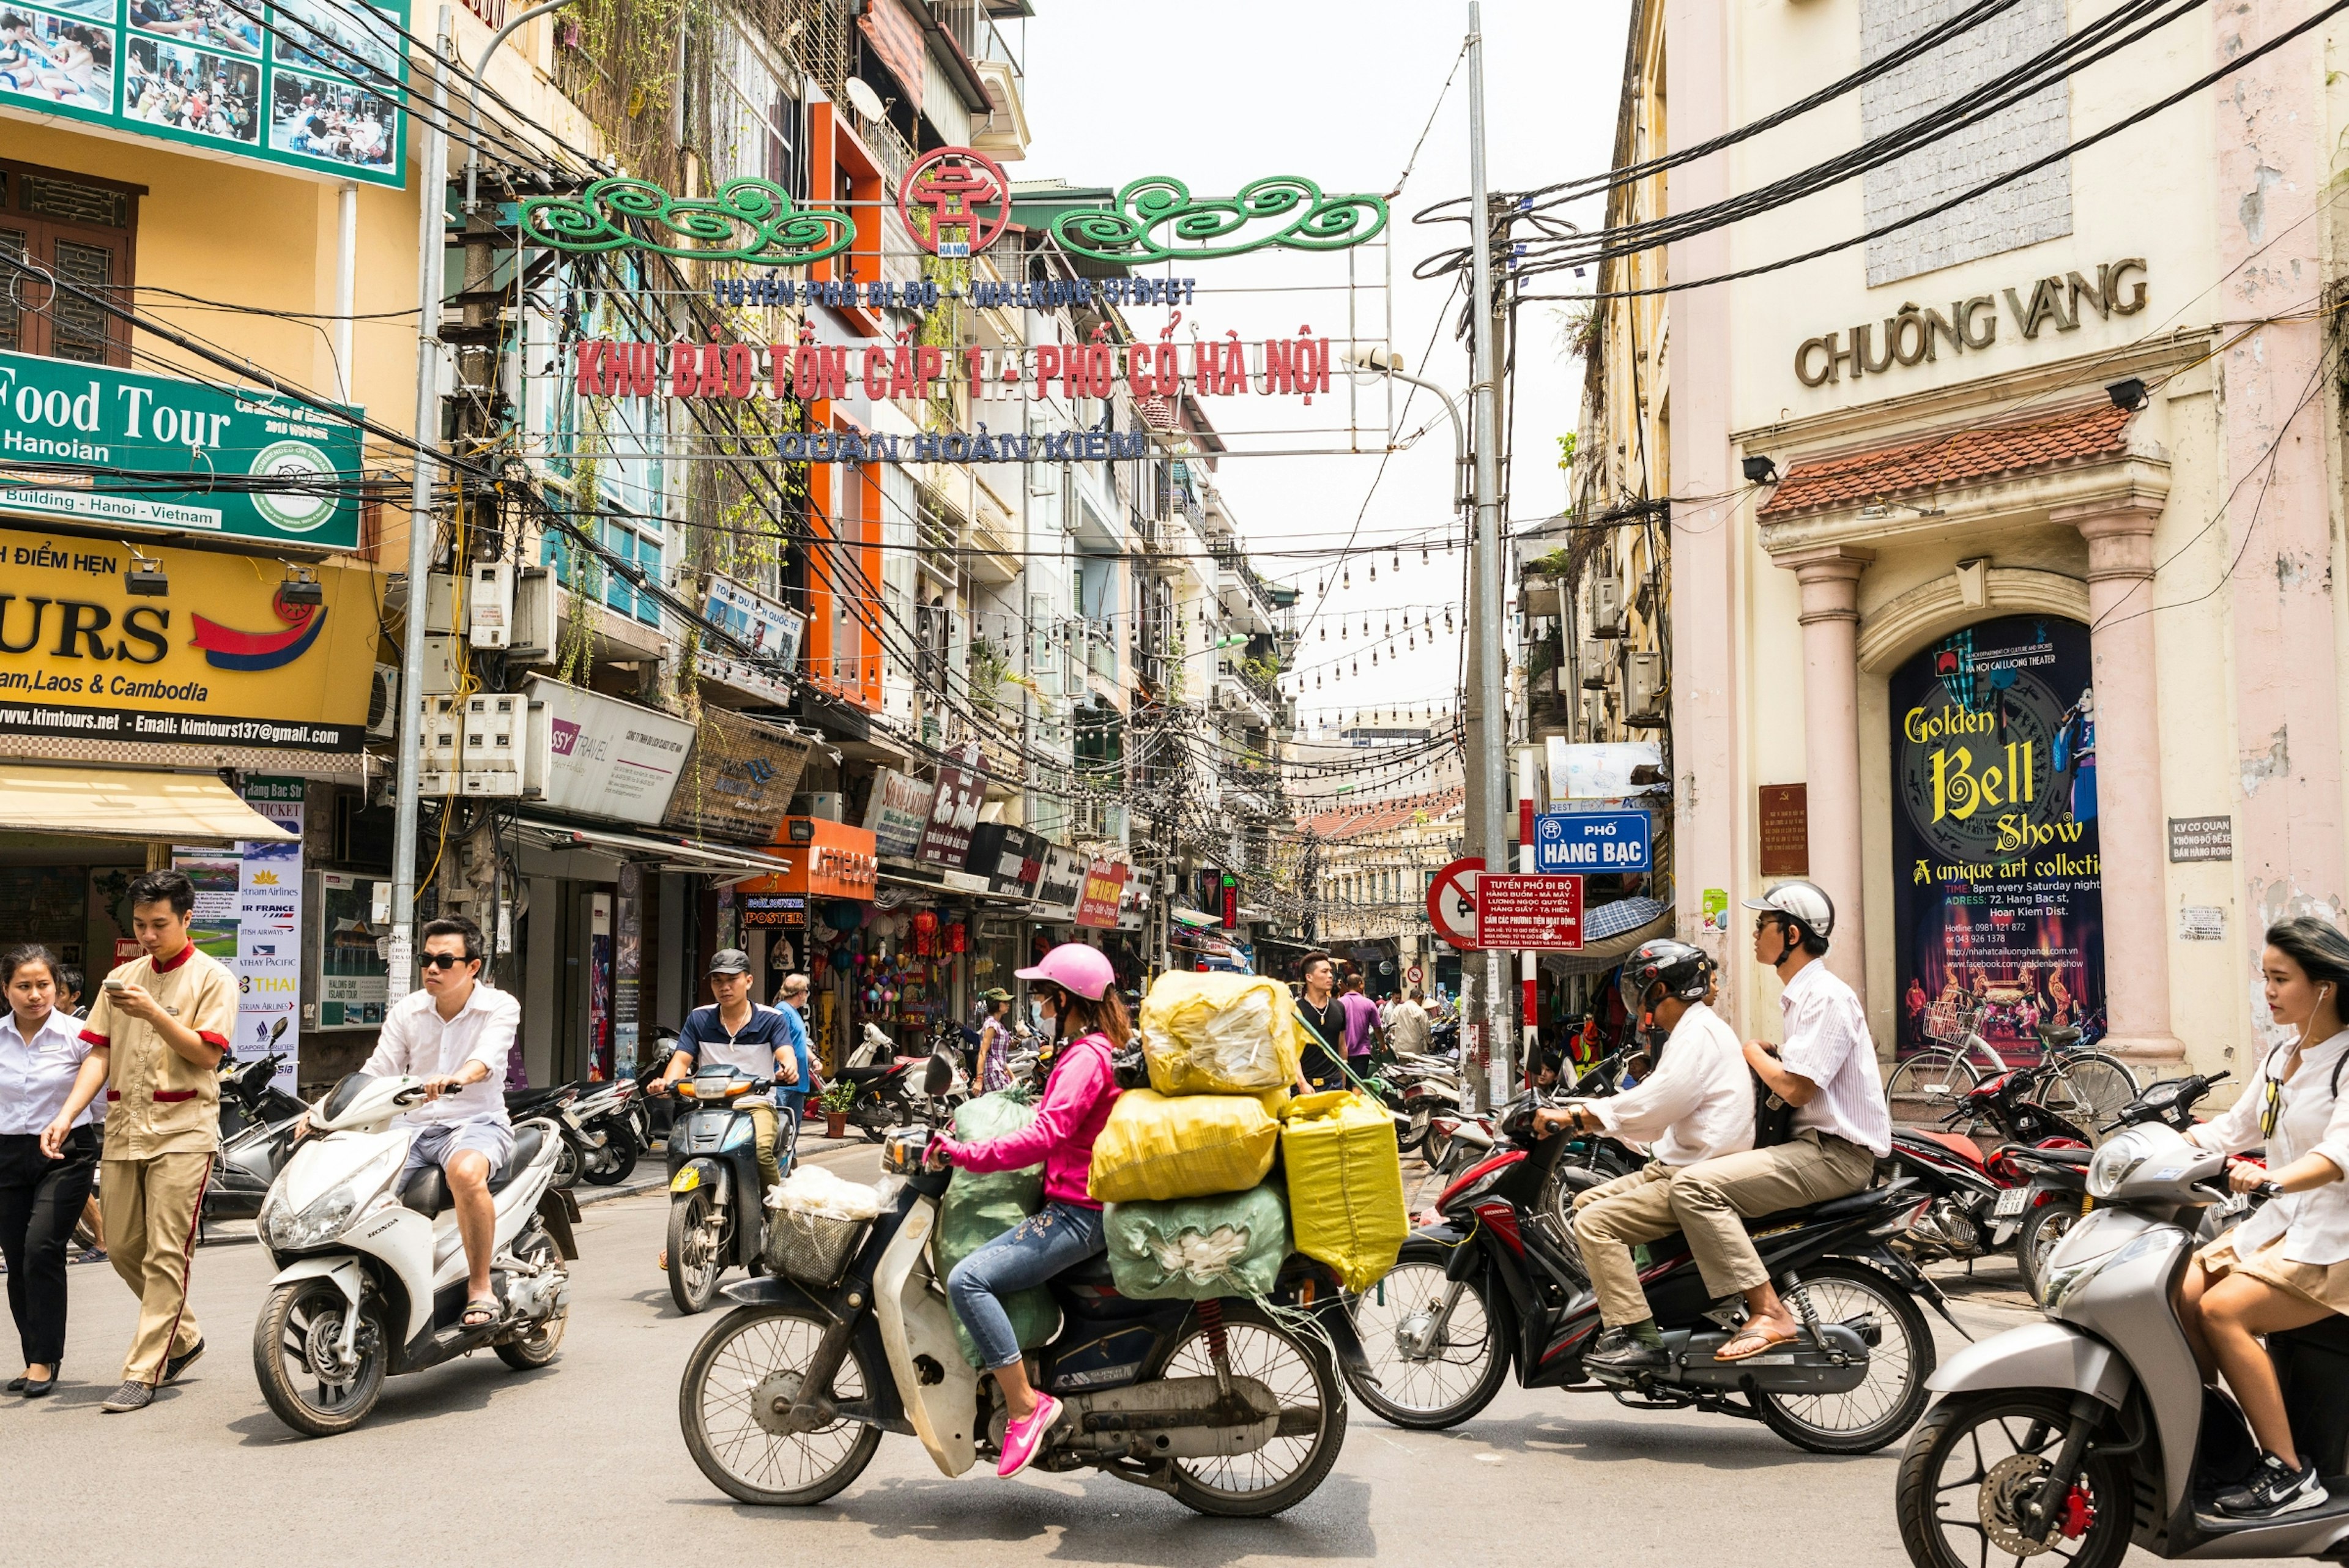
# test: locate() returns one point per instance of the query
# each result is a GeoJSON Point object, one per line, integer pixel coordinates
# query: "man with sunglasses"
{"type": "Point", "coordinates": [456, 1034]}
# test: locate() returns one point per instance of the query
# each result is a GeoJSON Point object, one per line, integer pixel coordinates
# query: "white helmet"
{"type": "Point", "coordinates": [1802, 904]}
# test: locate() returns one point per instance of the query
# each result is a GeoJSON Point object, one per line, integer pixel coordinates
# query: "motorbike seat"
{"type": "Point", "coordinates": [864, 1074]}
{"type": "Point", "coordinates": [427, 1191]}
{"type": "Point", "coordinates": [2078, 1157]}
{"type": "Point", "coordinates": [1841, 1207]}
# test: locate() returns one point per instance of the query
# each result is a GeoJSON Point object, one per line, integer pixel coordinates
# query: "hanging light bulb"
{"type": "Point", "coordinates": [1390, 628]}
{"type": "Point", "coordinates": [1325, 634]}
{"type": "Point", "coordinates": [1447, 620]}
{"type": "Point", "coordinates": [1375, 659]}
{"type": "Point", "coordinates": [1398, 560]}
{"type": "Point", "coordinates": [1346, 577]}
{"type": "Point", "coordinates": [1358, 666]}
{"type": "Point", "coordinates": [1423, 555]}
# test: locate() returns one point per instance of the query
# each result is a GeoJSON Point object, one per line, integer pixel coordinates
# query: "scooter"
{"type": "Point", "coordinates": [2093, 1430]}
{"type": "Point", "coordinates": [1496, 1285]}
{"type": "Point", "coordinates": [715, 1218]}
{"type": "Point", "coordinates": [1982, 1198]}
{"type": "Point", "coordinates": [883, 1088]}
{"type": "Point", "coordinates": [371, 1281]}
{"type": "Point", "coordinates": [1230, 1408]}
{"type": "Point", "coordinates": [252, 1152]}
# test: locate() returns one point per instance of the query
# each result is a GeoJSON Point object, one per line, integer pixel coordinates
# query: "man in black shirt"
{"type": "Point", "coordinates": [1325, 1023]}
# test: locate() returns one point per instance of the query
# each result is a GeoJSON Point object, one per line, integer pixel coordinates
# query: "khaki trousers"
{"type": "Point", "coordinates": [764, 1125]}
{"type": "Point", "coordinates": [1610, 1220]}
{"type": "Point", "coordinates": [1713, 1199]}
{"type": "Point", "coordinates": [151, 1207]}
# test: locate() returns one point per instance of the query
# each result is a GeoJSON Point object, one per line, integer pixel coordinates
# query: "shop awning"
{"type": "Point", "coordinates": [104, 803]}
{"type": "Point", "coordinates": [1194, 918]}
{"type": "Point", "coordinates": [690, 855]}
{"type": "Point", "coordinates": [899, 879]}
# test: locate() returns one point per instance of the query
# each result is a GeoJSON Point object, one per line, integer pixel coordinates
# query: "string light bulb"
{"type": "Point", "coordinates": [1346, 577]}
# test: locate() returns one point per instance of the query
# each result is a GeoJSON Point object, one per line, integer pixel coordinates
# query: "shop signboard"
{"type": "Point", "coordinates": [1062, 883]}
{"type": "Point", "coordinates": [1998, 876]}
{"type": "Point", "coordinates": [774, 911]}
{"type": "Point", "coordinates": [900, 809]}
{"type": "Point", "coordinates": [1607, 770]}
{"type": "Point", "coordinates": [828, 860]}
{"type": "Point", "coordinates": [286, 472]}
{"type": "Point", "coordinates": [954, 811]}
{"type": "Point", "coordinates": [354, 972]}
{"type": "Point", "coordinates": [771, 633]}
{"type": "Point", "coordinates": [1104, 886]}
{"type": "Point", "coordinates": [608, 758]}
{"type": "Point", "coordinates": [1009, 858]}
{"type": "Point", "coordinates": [82, 657]}
{"type": "Point", "coordinates": [738, 781]}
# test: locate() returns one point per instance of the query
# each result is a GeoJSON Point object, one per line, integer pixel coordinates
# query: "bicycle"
{"type": "Point", "coordinates": [2083, 1086]}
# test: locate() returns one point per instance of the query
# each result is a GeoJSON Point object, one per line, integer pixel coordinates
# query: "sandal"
{"type": "Point", "coordinates": [1758, 1340]}
{"type": "Point", "coordinates": [481, 1311]}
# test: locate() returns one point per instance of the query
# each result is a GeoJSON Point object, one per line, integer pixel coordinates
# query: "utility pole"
{"type": "Point", "coordinates": [1491, 758]}
{"type": "Point", "coordinates": [432, 199]}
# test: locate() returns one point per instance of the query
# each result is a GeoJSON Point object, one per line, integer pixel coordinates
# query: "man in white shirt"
{"type": "Point", "coordinates": [455, 1034]}
{"type": "Point", "coordinates": [1842, 1123]}
{"type": "Point", "coordinates": [1696, 1104]}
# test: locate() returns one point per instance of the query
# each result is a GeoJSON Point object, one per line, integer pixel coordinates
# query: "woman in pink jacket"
{"type": "Point", "coordinates": [1076, 988]}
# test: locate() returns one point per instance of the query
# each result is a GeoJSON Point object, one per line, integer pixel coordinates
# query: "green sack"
{"type": "Point", "coordinates": [1197, 1249]}
{"type": "Point", "coordinates": [978, 1209]}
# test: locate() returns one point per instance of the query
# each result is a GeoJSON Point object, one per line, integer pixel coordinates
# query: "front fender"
{"type": "Point", "coordinates": [702, 1174]}
{"type": "Point", "coordinates": [2037, 1355]}
{"type": "Point", "coordinates": [341, 1268]}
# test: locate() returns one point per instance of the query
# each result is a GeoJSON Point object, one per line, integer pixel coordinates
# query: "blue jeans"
{"type": "Point", "coordinates": [1059, 1236]}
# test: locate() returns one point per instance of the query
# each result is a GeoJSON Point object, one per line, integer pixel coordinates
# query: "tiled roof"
{"type": "Point", "coordinates": [1378, 815]}
{"type": "Point", "coordinates": [1965, 457]}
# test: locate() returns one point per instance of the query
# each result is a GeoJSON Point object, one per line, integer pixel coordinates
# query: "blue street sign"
{"type": "Point", "coordinates": [1599, 841]}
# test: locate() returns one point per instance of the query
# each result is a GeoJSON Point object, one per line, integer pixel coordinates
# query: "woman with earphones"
{"type": "Point", "coordinates": [2287, 1266]}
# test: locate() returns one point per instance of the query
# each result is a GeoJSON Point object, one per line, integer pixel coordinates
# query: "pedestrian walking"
{"type": "Point", "coordinates": [994, 1041]}
{"type": "Point", "coordinates": [1323, 1019]}
{"type": "Point", "coordinates": [1362, 1030]}
{"type": "Point", "coordinates": [70, 986]}
{"type": "Point", "coordinates": [48, 1154]}
{"type": "Point", "coordinates": [165, 1016]}
{"type": "Point", "coordinates": [1407, 1029]}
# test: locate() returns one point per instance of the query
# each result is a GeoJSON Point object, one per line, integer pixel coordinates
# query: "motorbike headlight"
{"type": "Point", "coordinates": [2064, 1278]}
{"type": "Point", "coordinates": [324, 1219]}
{"type": "Point", "coordinates": [2124, 1155]}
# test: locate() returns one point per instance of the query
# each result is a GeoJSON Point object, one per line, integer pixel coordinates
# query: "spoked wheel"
{"type": "Point", "coordinates": [735, 1405]}
{"type": "Point", "coordinates": [566, 1164]}
{"type": "Point", "coordinates": [1928, 1086]}
{"type": "Point", "coordinates": [1297, 1368]}
{"type": "Point", "coordinates": [2036, 1243]}
{"type": "Point", "coordinates": [310, 1383]}
{"type": "Point", "coordinates": [528, 1352]}
{"type": "Point", "coordinates": [1413, 1134]}
{"type": "Point", "coordinates": [2088, 1089]}
{"type": "Point", "coordinates": [1893, 1395]}
{"type": "Point", "coordinates": [1435, 1149]}
{"type": "Point", "coordinates": [1975, 1466]}
{"type": "Point", "coordinates": [1431, 1342]}
{"type": "Point", "coordinates": [694, 1260]}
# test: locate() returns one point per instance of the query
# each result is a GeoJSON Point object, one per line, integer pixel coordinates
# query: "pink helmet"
{"type": "Point", "coordinates": [1077, 969]}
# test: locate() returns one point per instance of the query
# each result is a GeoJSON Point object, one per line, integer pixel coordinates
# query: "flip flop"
{"type": "Point", "coordinates": [1761, 1340]}
{"type": "Point", "coordinates": [480, 1312]}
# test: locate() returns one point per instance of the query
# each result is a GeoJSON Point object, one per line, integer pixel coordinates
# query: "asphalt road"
{"type": "Point", "coordinates": [581, 1463]}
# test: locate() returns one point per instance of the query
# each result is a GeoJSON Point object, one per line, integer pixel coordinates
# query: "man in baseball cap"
{"type": "Point", "coordinates": [735, 1032]}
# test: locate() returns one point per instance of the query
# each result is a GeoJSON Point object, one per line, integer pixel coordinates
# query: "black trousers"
{"type": "Point", "coordinates": [40, 1200]}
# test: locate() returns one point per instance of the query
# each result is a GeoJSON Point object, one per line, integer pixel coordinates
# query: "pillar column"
{"type": "Point", "coordinates": [1829, 576]}
{"type": "Point", "coordinates": [2129, 831]}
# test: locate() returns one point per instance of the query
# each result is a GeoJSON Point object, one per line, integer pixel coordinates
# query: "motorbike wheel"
{"type": "Point", "coordinates": [300, 1324]}
{"type": "Point", "coordinates": [1446, 1383]}
{"type": "Point", "coordinates": [1415, 1132]}
{"type": "Point", "coordinates": [1973, 1465]}
{"type": "Point", "coordinates": [1298, 1369]}
{"type": "Point", "coordinates": [566, 1163]}
{"type": "Point", "coordinates": [1893, 1395]}
{"type": "Point", "coordinates": [620, 1151]}
{"type": "Point", "coordinates": [749, 1359]}
{"type": "Point", "coordinates": [695, 1256]}
{"type": "Point", "coordinates": [1435, 1149]}
{"type": "Point", "coordinates": [529, 1352]}
{"type": "Point", "coordinates": [2048, 1224]}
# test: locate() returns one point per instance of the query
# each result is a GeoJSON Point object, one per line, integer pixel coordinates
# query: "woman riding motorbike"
{"type": "Point", "coordinates": [2288, 1265]}
{"type": "Point", "coordinates": [1076, 988]}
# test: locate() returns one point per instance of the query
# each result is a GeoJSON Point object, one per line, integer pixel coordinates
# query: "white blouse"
{"type": "Point", "coordinates": [36, 1074]}
{"type": "Point", "coordinates": [2312, 1120]}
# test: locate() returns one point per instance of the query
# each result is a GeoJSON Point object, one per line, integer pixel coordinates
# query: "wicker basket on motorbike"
{"type": "Point", "coordinates": [815, 1224]}
{"type": "Point", "coordinates": [1197, 1249]}
{"type": "Point", "coordinates": [1219, 1034]}
{"type": "Point", "coordinates": [977, 1209]}
{"type": "Point", "coordinates": [1161, 1147]}
{"type": "Point", "coordinates": [1345, 1184]}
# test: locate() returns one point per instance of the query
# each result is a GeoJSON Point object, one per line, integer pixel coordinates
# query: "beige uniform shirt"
{"type": "Point", "coordinates": [158, 1102]}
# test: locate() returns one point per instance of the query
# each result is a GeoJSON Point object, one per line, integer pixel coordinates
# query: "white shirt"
{"type": "Point", "coordinates": [1698, 1102]}
{"type": "Point", "coordinates": [36, 1074]}
{"type": "Point", "coordinates": [1827, 1042]}
{"type": "Point", "coordinates": [417, 1040]}
{"type": "Point", "coordinates": [2314, 1224]}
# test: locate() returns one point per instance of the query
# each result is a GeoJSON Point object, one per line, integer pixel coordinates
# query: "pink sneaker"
{"type": "Point", "coordinates": [1021, 1440]}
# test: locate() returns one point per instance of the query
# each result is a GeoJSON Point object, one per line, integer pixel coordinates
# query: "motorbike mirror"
{"type": "Point", "coordinates": [939, 1077]}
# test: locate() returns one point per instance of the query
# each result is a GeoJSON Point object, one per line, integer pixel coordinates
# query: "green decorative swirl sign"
{"type": "Point", "coordinates": [748, 219]}
{"type": "Point", "coordinates": [1158, 219]}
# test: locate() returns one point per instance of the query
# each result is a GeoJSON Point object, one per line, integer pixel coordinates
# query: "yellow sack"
{"type": "Point", "coordinates": [1219, 1034]}
{"type": "Point", "coordinates": [1345, 1184]}
{"type": "Point", "coordinates": [1156, 1148]}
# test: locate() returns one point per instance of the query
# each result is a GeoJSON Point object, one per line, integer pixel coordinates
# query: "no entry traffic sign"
{"type": "Point", "coordinates": [1537, 912]}
{"type": "Point", "coordinates": [1452, 901]}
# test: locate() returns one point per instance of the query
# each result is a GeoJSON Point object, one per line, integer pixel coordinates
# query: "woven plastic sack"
{"type": "Point", "coordinates": [977, 1209]}
{"type": "Point", "coordinates": [1345, 1184]}
{"type": "Point", "coordinates": [1219, 1034]}
{"type": "Point", "coordinates": [1197, 1249]}
{"type": "Point", "coordinates": [1193, 1145]}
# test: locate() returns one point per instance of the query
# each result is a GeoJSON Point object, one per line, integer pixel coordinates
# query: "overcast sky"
{"type": "Point", "coordinates": [1217, 93]}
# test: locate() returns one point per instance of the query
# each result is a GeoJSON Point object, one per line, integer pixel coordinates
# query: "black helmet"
{"type": "Point", "coordinates": [1675, 967]}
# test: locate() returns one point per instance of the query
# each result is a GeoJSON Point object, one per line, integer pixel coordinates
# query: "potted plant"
{"type": "Point", "coordinates": [834, 1102]}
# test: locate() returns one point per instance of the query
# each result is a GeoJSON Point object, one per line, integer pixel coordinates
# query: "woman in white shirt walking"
{"type": "Point", "coordinates": [49, 1073]}
{"type": "Point", "coordinates": [2287, 1266]}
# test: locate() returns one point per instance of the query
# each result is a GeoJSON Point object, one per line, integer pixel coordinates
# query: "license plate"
{"type": "Point", "coordinates": [2011, 1202]}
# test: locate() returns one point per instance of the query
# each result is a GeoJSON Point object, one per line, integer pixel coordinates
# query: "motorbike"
{"type": "Point", "coordinates": [884, 1085]}
{"type": "Point", "coordinates": [1981, 1199]}
{"type": "Point", "coordinates": [370, 1279]}
{"type": "Point", "coordinates": [716, 1218]}
{"type": "Point", "coordinates": [1494, 1286]}
{"type": "Point", "coordinates": [257, 1120]}
{"type": "Point", "coordinates": [1229, 1407]}
{"type": "Point", "coordinates": [604, 1130]}
{"type": "Point", "coordinates": [2093, 1430]}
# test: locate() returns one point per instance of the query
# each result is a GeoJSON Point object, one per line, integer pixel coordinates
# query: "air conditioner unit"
{"type": "Point", "coordinates": [1598, 665]}
{"type": "Point", "coordinates": [1594, 715]}
{"type": "Point", "coordinates": [383, 703]}
{"type": "Point", "coordinates": [1643, 687]}
{"type": "Point", "coordinates": [828, 805]}
{"type": "Point", "coordinates": [1607, 606]}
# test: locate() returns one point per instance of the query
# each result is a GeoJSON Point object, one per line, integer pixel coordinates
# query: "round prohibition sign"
{"type": "Point", "coordinates": [1452, 901]}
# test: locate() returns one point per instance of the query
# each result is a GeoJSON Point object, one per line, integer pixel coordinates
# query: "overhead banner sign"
{"type": "Point", "coordinates": [1529, 913]}
{"type": "Point", "coordinates": [899, 810]}
{"type": "Point", "coordinates": [954, 811]}
{"type": "Point", "coordinates": [609, 758]}
{"type": "Point", "coordinates": [81, 656]}
{"type": "Point", "coordinates": [738, 780]}
{"type": "Point", "coordinates": [288, 473]}
{"type": "Point", "coordinates": [316, 90]}
{"type": "Point", "coordinates": [771, 632]}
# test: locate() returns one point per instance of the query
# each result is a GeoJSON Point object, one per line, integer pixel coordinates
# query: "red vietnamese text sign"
{"type": "Point", "coordinates": [1529, 913]}
{"type": "Point", "coordinates": [1104, 889]}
